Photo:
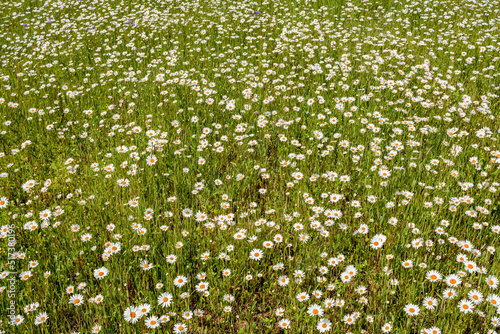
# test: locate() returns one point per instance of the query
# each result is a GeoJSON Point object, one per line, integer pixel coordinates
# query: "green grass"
{"type": "Point", "coordinates": [396, 87]}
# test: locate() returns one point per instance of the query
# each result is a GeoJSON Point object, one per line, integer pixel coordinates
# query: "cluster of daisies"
{"type": "Point", "coordinates": [212, 165]}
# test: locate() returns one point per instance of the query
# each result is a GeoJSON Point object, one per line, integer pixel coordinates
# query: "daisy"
{"type": "Point", "coordinates": [24, 275]}
{"type": "Point", "coordinates": [494, 300]}
{"type": "Point", "coordinates": [41, 318]}
{"type": "Point", "coordinates": [256, 254]}
{"type": "Point", "coordinates": [333, 262]}
{"type": "Point", "coordinates": [350, 269]}
{"type": "Point", "coordinates": [283, 281]}
{"type": "Point", "coordinates": [492, 282]}
{"type": "Point", "coordinates": [179, 281]}
{"type": "Point", "coordinates": [407, 263]}
{"type": "Point", "coordinates": [433, 276]}
{"type": "Point", "coordinates": [298, 274]}
{"type": "Point", "coordinates": [179, 328]}
{"type": "Point", "coordinates": [17, 320]}
{"type": "Point", "coordinates": [280, 312]}
{"type": "Point", "coordinates": [476, 297]}
{"type": "Point", "coordinates": [268, 244]}
{"type": "Point", "coordinates": [386, 328]}
{"type": "Point", "coordinates": [165, 299]}
{"type": "Point", "coordinates": [345, 277]}
{"type": "Point", "coordinates": [45, 214]}
{"type": "Point", "coordinates": [144, 309]}
{"type": "Point", "coordinates": [412, 310]}
{"type": "Point", "coordinates": [470, 266]}
{"type": "Point", "coordinates": [349, 319]}
{"type": "Point", "coordinates": [151, 160]}
{"type": "Point", "coordinates": [171, 258]}
{"type": "Point", "coordinates": [187, 315]}
{"type": "Point", "coordinates": [461, 258]}
{"type": "Point", "coordinates": [3, 202]}
{"type": "Point", "coordinates": [329, 302]}
{"type": "Point", "coordinates": [361, 289]}
{"type": "Point", "coordinates": [315, 310]}
{"type": "Point", "coordinates": [101, 273]}
{"type": "Point", "coordinates": [324, 325]}
{"type": "Point", "coordinates": [317, 293]}
{"type": "Point", "coordinates": [449, 293]}
{"type": "Point", "coordinates": [302, 296]}
{"type": "Point", "coordinates": [228, 298]}
{"type": "Point", "coordinates": [465, 306]}
{"type": "Point", "coordinates": [187, 213]}
{"type": "Point", "coordinates": [339, 302]}
{"type": "Point", "coordinates": [434, 330]}
{"type": "Point", "coordinates": [430, 303]}
{"type": "Point", "coordinates": [152, 322]}
{"type": "Point", "coordinates": [123, 182]}
{"type": "Point", "coordinates": [303, 237]}
{"type": "Point", "coordinates": [284, 323]}
{"type": "Point", "coordinates": [202, 286]}
{"type": "Point", "coordinates": [377, 242]}
{"type": "Point", "coordinates": [76, 300]}
{"type": "Point", "coordinates": [453, 280]}
{"type": "Point", "coordinates": [146, 266]}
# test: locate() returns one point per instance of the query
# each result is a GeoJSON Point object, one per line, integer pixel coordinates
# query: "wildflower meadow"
{"type": "Point", "coordinates": [270, 166]}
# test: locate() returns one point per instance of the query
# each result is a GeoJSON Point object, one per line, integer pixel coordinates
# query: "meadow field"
{"type": "Point", "coordinates": [249, 166]}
